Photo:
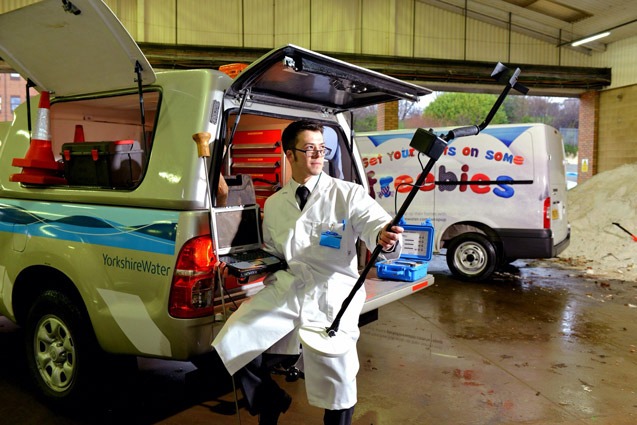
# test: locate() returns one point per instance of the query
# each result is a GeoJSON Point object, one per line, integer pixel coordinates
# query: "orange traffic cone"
{"type": "Point", "coordinates": [79, 133]}
{"type": "Point", "coordinates": [39, 165]}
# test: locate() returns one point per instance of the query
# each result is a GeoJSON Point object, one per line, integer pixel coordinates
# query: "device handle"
{"type": "Point", "coordinates": [201, 139]}
{"type": "Point", "coordinates": [463, 132]}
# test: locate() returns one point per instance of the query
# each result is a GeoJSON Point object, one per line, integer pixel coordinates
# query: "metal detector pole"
{"type": "Point", "coordinates": [433, 146]}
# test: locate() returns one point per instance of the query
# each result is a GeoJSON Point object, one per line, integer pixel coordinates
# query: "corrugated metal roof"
{"type": "Point", "coordinates": [554, 21]}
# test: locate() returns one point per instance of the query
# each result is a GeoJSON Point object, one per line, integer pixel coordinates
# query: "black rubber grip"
{"type": "Point", "coordinates": [464, 132]}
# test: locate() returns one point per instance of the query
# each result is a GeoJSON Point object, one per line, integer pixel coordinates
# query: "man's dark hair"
{"type": "Point", "coordinates": [293, 129]}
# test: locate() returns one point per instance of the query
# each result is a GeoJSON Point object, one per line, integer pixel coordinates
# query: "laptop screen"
{"type": "Point", "coordinates": [237, 229]}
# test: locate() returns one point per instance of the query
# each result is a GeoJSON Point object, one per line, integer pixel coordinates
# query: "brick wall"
{"type": "Point", "coordinates": [588, 136]}
{"type": "Point", "coordinates": [10, 86]}
{"type": "Point", "coordinates": [387, 116]}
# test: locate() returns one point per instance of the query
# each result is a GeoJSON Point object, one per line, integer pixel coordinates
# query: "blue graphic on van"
{"type": "Point", "coordinates": [50, 220]}
{"type": "Point", "coordinates": [506, 135]}
{"type": "Point", "coordinates": [379, 139]}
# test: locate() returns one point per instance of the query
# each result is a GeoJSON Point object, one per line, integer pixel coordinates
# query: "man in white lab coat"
{"type": "Point", "coordinates": [317, 238]}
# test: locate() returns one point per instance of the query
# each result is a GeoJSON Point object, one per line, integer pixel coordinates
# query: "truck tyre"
{"type": "Point", "coordinates": [60, 348]}
{"type": "Point", "coordinates": [471, 257]}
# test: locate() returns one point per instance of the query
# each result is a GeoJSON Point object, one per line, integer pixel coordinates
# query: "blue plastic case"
{"type": "Point", "coordinates": [414, 259]}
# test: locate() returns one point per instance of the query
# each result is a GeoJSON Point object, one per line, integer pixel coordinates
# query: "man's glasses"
{"type": "Point", "coordinates": [311, 153]}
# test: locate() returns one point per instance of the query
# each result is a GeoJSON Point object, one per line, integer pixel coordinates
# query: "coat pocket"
{"type": "Point", "coordinates": [332, 243]}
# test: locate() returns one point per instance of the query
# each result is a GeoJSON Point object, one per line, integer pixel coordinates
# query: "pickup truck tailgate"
{"type": "Point", "coordinates": [381, 291]}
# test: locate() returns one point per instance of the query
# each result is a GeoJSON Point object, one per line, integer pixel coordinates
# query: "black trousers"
{"type": "Point", "coordinates": [261, 391]}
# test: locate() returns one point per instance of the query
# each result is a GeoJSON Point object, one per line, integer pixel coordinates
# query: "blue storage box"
{"type": "Point", "coordinates": [414, 259]}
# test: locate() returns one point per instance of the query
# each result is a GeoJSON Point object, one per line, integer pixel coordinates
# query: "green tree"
{"type": "Point", "coordinates": [409, 116]}
{"type": "Point", "coordinates": [365, 119]}
{"type": "Point", "coordinates": [517, 109]}
{"type": "Point", "coordinates": [568, 116]}
{"type": "Point", "coordinates": [559, 114]}
{"type": "Point", "coordinates": [450, 109]}
{"type": "Point", "coordinates": [534, 109]}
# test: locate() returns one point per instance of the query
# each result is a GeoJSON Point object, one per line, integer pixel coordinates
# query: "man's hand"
{"type": "Point", "coordinates": [223, 268]}
{"type": "Point", "coordinates": [388, 238]}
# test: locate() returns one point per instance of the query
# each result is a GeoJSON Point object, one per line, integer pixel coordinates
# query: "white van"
{"type": "Point", "coordinates": [493, 198]}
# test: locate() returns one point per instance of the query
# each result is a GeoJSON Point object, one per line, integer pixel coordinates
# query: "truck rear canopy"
{"type": "Point", "coordinates": [297, 77]}
{"type": "Point", "coordinates": [70, 51]}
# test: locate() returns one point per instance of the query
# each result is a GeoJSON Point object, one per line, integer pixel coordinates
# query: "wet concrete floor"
{"type": "Point", "coordinates": [539, 344]}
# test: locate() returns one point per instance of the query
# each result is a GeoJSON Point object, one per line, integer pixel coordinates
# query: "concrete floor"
{"type": "Point", "coordinates": [537, 345]}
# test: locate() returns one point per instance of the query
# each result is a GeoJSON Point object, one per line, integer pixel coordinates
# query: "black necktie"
{"type": "Point", "coordinates": [303, 193]}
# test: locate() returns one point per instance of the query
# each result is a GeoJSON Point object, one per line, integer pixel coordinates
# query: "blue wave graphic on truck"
{"type": "Point", "coordinates": [157, 236]}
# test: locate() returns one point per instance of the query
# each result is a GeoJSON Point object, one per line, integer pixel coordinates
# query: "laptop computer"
{"type": "Point", "coordinates": [238, 239]}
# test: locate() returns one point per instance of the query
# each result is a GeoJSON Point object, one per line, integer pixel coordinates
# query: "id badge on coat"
{"type": "Point", "coordinates": [332, 238]}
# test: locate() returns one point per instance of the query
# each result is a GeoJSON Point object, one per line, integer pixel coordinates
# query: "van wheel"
{"type": "Point", "coordinates": [471, 257]}
{"type": "Point", "coordinates": [60, 348]}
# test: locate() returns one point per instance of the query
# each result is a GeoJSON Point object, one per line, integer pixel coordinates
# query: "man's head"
{"type": "Point", "coordinates": [304, 147]}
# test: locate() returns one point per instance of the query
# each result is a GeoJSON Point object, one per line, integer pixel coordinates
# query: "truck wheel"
{"type": "Point", "coordinates": [471, 257]}
{"type": "Point", "coordinates": [60, 348]}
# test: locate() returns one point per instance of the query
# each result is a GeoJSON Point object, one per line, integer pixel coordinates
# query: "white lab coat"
{"type": "Point", "coordinates": [312, 289]}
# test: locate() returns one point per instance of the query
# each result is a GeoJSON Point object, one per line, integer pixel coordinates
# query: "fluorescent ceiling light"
{"type": "Point", "coordinates": [589, 39]}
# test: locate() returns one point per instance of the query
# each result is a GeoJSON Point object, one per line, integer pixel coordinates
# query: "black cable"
{"type": "Point", "coordinates": [230, 296]}
{"type": "Point", "coordinates": [222, 282]}
{"type": "Point", "coordinates": [422, 168]}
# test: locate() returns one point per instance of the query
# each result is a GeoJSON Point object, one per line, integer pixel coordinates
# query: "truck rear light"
{"type": "Point", "coordinates": [193, 285]}
{"type": "Point", "coordinates": [547, 213]}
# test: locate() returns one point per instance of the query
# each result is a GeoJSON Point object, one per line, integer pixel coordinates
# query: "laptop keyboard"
{"type": "Point", "coordinates": [245, 256]}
